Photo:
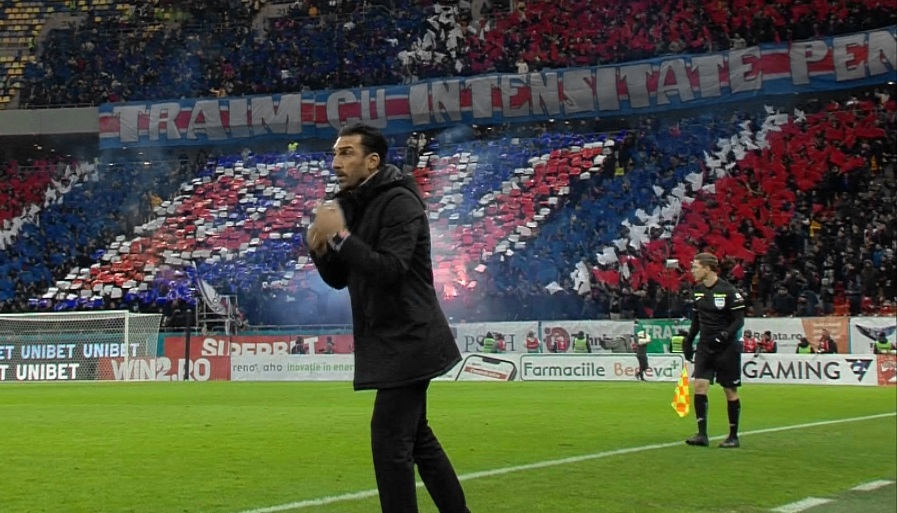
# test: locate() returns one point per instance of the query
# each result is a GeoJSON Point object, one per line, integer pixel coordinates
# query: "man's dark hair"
{"type": "Point", "coordinates": [708, 260]}
{"type": "Point", "coordinates": [371, 138]}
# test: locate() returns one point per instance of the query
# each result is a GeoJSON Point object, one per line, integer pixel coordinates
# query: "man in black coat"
{"type": "Point", "coordinates": [375, 240]}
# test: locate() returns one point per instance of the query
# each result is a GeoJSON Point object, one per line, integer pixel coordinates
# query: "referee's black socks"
{"type": "Point", "coordinates": [734, 413]}
{"type": "Point", "coordinates": [701, 413]}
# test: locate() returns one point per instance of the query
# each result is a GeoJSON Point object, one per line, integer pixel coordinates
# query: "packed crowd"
{"type": "Point", "coordinates": [142, 54]}
{"type": "Point", "coordinates": [831, 252]}
{"type": "Point", "coordinates": [212, 48]}
{"type": "Point", "coordinates": [828, 248]}
{"type": "Point", "coordinates": [805, 227]}
{"type": "Point", "coordinates": [548, 34]}
{"type": "Point", "coordinates": [81, 211]}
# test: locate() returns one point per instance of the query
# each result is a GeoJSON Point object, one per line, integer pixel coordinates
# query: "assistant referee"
{"type": "Point", "coordinates": [718, 318]}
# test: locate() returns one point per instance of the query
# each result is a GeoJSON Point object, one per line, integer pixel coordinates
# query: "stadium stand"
{"type": "Point", "coordinates": [123, 53]}
{"type": "Point", "coordinates": [766, 203]}
{"type": "Point", "coordinates": [82, 211]}
{"type": "Point", "coordinates": [549, 34]}
{"type": "Point", "coordinates": [510, 217]}
{"type": "Point", "coordinates": [21, 29]}
{"type": "Point", "coordinates": [559, 223]}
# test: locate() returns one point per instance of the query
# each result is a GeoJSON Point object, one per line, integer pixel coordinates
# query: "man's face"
{"type": "Point", "coordinates": [351, 165]}
{"type": "Point", "coordinates": [699, 271]}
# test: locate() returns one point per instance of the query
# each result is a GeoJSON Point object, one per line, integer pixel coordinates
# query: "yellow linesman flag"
{"type": "Point", "coordinates": [682, 397]}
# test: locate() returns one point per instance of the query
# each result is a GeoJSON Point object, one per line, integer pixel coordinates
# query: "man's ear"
{"type": "Point", "coordinates": [373, 160]}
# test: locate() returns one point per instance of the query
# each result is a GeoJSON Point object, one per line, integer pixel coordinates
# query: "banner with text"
{"type": "Point", "coordinates": [661, 331]}
{"type": "Point", "coordinates": [887, 369]}
{"type": "Point", "coordinates": [280, 367]}
{"type": "Point", "coordinates": [773, 368]}
{"type": "Point", "coordinates": [469, 336]}
{"type": "Point", "coordinates": [638, 87]}
{"type": "Point", "coordinates": [598, 367]}
{"type": "Point", "coordinates": [66, 361]}
{"type": "Point", "coordinates": [810, 369]}
{"type": "Point", "coordinates": [787, 331]}
{"type": "Point", "coordinates": [51, 362]}
{"type": "Point", "coordinates": [289, 343]}
{"type": "Point", "coordinates": [864, 331]}
{"type": "Point", "coordinates": [206, 363]}
{"type": "Point", "coordinates": [603, 336]}
{"type": "Point", "coordinates": [210, 356]}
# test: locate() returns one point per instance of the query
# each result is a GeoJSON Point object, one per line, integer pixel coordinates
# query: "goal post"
{"type": "Point", "coordinates": [79, 346]}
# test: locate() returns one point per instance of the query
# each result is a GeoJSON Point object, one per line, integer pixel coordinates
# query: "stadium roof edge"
{"type": "Point", "coordinates": [49, 122]}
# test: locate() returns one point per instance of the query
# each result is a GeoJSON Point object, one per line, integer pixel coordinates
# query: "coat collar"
{"type": "Point", "coordinates": [388, 177]}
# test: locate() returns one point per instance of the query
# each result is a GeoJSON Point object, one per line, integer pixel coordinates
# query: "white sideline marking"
{"type": "Point", "coordinates": [801, 505]}
{"type": "Point", "coordinates": [872, 485]}
{"type": "Point", "coordinates": [364, 494]}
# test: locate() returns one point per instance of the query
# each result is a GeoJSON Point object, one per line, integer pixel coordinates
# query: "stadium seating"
{"type": "Point", "coordinates": [243, 222]}
{"type": "Point", "coordinates": [752, 204]}
{"type": "Point", "coordinates": [371, 46]}
{"type": "Point", "coordinates": [21, 33]}
{"type": "Point", "coordinates": [20, 26]}
{"type": "Point", "coordinates": [560, 225]}
{"type": "Point", "coordinates": [510, 218]}
{"type": "Point", "coordinates": [81, 213]}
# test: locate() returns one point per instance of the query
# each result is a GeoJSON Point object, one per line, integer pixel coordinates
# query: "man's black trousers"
{"type": "Point", "coordinates": [401, 438]}
{"type": "Point", "coordinates": [642, 356]}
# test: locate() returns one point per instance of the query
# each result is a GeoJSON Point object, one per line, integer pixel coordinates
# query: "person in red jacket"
{"type": "Point", "coordinates": [826, 344]}
{"type": "Point", "coordinates": [767, 344]}
{"type": "Point", "coordinates": [749, 343]}
{"type": "Point", "coordinates": [532, 343]}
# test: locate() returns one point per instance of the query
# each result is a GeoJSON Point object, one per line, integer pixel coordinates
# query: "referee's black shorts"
{"type": "Point", "coordinates": [723, 367]}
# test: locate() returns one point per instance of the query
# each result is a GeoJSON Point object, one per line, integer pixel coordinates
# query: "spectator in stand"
{"type": "Point", "coordinates": [767, 344]}
{"type": "Point", "coordinates": [869, 280]}
{"type": "Point", "coordinates": [807, 303]}
{"type": "Point", "coordinates": [826, 344]}
{"type": "Point", "coordinates": [400, 42]}
{"type": "Point", "coordinates": [783, 303]}
{"type": "Point", "coordinates": [749, 343]}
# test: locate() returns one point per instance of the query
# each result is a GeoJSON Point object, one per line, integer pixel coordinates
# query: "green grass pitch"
{"type": "Point", "coordinates": [227, 447]}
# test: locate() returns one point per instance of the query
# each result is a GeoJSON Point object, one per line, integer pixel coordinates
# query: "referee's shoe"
{"type": "Point", "coordinates": [730, 443]}
{"type": "Point", "coordinates": [699, 440]}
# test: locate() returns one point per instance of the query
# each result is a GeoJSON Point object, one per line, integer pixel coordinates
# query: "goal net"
{"type": "Point", "coordinates": [78, 346]}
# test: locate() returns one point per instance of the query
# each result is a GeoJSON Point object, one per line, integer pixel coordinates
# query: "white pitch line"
{"type": "Point", "coordinates": [872, 485]}
{"type": "Point", "coordinates": [364, 494]}
{"type": "Point", "coordinates": [801, 505]}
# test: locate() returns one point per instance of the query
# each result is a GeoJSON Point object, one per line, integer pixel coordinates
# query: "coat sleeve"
{"type": "Point", "coordinates": [401, 222]}
{"type": "Point", "coordinates": [736, 305]}
{"type": "Point", "coordinates": [693, 330]}
{"type": "Point", "coordinates": [332, 269]}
